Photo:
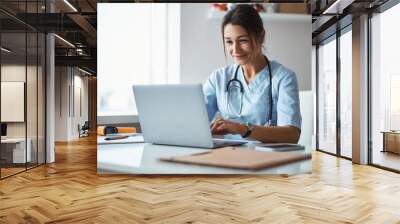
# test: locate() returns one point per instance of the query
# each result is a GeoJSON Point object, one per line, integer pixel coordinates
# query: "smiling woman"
{"type": "Point", "coordinates": [256, 98]}
{"type": "Point", "coordinates": [180, 43]}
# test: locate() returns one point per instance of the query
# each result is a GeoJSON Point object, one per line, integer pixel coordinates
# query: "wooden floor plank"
{"type": "Point", "coordinates": [70, 191]}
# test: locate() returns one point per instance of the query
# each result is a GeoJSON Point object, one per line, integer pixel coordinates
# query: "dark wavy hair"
{"type": "Point", "coordinates": [246, 16]}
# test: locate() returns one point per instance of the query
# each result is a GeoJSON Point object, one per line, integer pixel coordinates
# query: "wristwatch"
{"type": "Point", "coordinates": [250, 129]}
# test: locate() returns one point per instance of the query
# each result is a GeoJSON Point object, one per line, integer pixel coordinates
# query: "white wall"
{"type": "Point", "coordinates": [68, 83]}
{"type": "Point", "coordinates": [288, 42]}
{"type": "Point", "coordinates": [80, 83]}
{"type": "Point", "coordinates": [61, 103]}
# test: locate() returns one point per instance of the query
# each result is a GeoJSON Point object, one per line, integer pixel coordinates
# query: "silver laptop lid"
{"type": "Point", "coordinates": [173, 115]}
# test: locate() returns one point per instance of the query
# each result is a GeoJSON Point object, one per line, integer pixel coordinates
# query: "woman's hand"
{"type": "Point", "coordinates": [223, 127]}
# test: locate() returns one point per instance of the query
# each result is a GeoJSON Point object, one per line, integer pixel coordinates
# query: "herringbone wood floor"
{"type": "Point", "coordinates": [70, 191]}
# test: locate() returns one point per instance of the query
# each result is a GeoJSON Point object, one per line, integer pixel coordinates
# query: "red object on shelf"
{"type": "Point", "coordinates": [259, 7]}
{"type": "Point", "coordinates": [220, 6]}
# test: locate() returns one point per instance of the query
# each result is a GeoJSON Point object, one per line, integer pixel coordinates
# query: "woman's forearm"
{"type": "Point", "coordinates": [281, 134]}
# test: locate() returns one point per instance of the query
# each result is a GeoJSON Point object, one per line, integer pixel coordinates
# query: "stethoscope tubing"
{"type": "Point", "coordinates": [235, 79]}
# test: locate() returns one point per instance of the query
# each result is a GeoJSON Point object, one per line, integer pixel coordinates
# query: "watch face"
{"type": "Point", "coordinates": [249, 128]}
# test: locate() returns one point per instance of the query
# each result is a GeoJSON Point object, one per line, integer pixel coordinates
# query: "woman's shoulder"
{"type": "Point", "coordinates": [282, 71]}
{"type": "Point", "coordinates": [223, 73]}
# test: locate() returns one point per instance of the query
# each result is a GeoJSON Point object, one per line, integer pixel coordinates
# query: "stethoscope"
{"type": "Point", "coordinates": [237, 81]}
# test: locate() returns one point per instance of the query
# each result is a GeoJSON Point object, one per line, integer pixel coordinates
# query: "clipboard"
{"type": "Point", "coordinates": [239, 158]}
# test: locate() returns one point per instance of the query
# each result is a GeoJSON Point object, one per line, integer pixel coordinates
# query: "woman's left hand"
{"type": "Point", "coordinates": [223, 127]}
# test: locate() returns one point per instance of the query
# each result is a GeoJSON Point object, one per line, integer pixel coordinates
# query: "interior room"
{"type": "Point", "coordinates": [62, 86]}
{"type": "Point", "coordinates": [22, 100]}
{"type": "Point", "coordinates": [385, 88]}
{"type": "Point", "coordinates": [29, 99]}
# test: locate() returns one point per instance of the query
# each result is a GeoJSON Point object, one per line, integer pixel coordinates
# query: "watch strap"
{"type": "Point", "coordinates": [248, 131]}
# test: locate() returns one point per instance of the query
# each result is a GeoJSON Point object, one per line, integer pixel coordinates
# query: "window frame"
{"type": "Point", "coordinates": [25, 30]}
{"type": "Point", "coordinates": [333, 37]}
{"type": "Point", "coordinates": [378, 10]}
{"type": "Point", "coordinates": [323, 37]}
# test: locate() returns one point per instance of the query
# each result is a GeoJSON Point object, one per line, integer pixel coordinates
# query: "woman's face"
{"type": "Point", "coordinates": [239, 44]}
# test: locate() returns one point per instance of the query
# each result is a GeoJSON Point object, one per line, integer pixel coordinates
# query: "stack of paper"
{"type": "Point", "coordinates": [278, 147]}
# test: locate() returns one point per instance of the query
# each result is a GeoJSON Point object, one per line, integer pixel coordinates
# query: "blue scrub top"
{"type": "Point", "coordinates": [255, 107]}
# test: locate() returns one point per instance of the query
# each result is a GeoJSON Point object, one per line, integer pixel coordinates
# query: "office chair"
{"type": "Point", "coordinates": [84, 130]}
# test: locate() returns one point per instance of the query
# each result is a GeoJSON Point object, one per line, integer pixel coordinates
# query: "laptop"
{"type": "Point", "coordinates": [176, 115]}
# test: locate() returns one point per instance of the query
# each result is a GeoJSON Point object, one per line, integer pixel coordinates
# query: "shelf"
{"type": "Point", "coordinates": [218, 15]}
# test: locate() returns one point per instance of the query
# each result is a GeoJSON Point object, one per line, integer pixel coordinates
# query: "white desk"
{"type": "Point", "coordinates": [18, 149]}
{"type": "Point", "coordinates": [142, 158]}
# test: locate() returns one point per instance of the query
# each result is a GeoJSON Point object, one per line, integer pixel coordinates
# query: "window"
{"type": "Point", "coordinates": [346, 94]}
{"type": "Point", "coordinates": [137, 44]}
{"type": "Point", "coordinates": [22, 77]}
{"type": "Point", "coordinates": [385, 84]}
{"type": "Point", "coordinates": [394, 101]}
{"type": "Point", "coordinates": [327, 97]}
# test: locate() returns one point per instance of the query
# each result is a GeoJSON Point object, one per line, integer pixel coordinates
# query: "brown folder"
{"type": "Point", "coordinates": [238, 158]}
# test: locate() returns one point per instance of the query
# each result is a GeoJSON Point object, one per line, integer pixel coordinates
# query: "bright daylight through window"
{"type": "Point", "coordinates": [147, 53]}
